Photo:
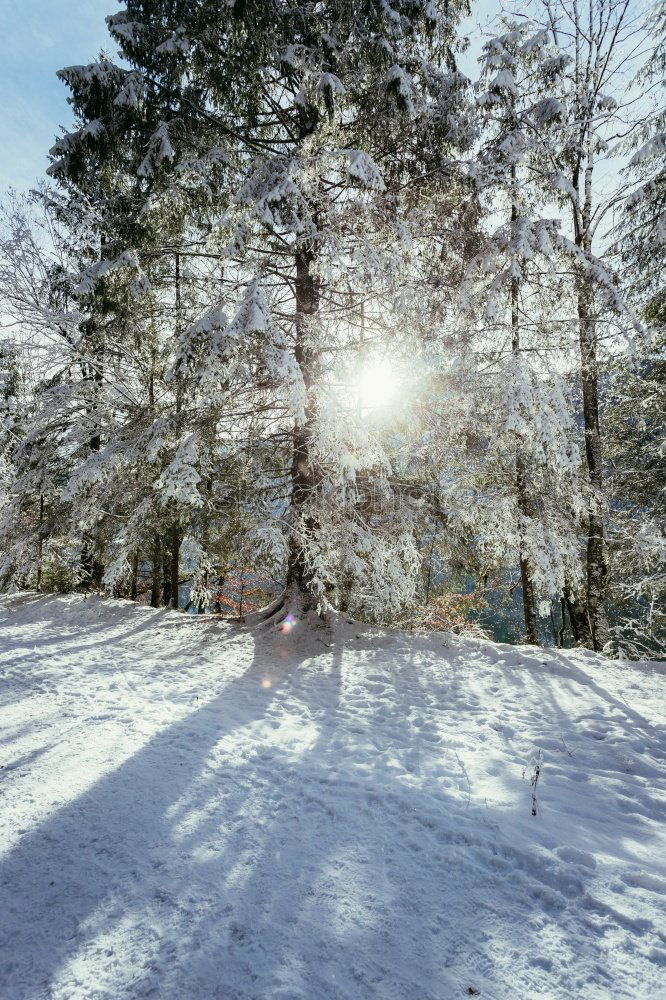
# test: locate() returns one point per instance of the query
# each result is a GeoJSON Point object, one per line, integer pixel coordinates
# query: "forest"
{"type": "Point", "coordinates": [329, 305]}
{"type": "Point", "coordinates": [332, 468]}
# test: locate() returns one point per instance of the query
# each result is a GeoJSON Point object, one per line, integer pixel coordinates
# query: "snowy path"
{"type": "Point", "coordinates": [195, 811]}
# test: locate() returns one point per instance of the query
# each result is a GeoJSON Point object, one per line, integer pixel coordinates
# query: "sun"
{"type": "Point", "coordinates": [377, 384]}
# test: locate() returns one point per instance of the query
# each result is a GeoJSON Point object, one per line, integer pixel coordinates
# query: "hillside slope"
{"type": "Point", "coordinates": [193, 810]}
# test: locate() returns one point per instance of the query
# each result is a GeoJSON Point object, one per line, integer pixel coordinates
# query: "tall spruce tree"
{"type": "Point", "coordinates": [514, 276]}
{"type": "Point", "coordinates": [636, 405]}
{"type": "Point", "coordinates": [287, 134]}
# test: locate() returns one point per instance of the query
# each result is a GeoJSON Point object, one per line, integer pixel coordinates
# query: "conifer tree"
{"type": "Point", "coordinates": [515, 272]}
{"type": "Point", "coordinates": [287, 135]}
{"type": "Point", "coordinates": [636, 404]}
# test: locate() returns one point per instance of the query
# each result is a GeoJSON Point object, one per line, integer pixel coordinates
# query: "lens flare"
{"type": "Point", "coordinates": [287, 624]}
{"type": "Point", "coordinates": [266, 683]}
{"type": "Point", "coordinates": [378, 384]}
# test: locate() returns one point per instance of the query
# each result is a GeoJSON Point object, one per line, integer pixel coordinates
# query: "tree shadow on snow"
{"type": "Point", "coordinates": [243, 852]}
{"type": "Point", "coordinates": [107, 619]}
{"type": "Point", "coordinates": [134, 841]}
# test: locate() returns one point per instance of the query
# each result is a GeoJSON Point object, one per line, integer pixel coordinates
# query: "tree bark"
{"type": "Point", "coordinates": [92, 569]}
{"type": "Point", "coordinates": [578, 619]}
{"type": "Point", "coordinates": [299, 593]}
{"type": "Point", "coordinates": [175, 567]}
{"type": "Point", "coordinates": [597, 633]}
{"type": "Point", "coordinates": [135, 576]}
{"type": "Point", "coordinates": [531, 633]}
{"type": "Point", "coordinates": [563, 623]}
{"type": "Point", "coordinates": [175, 529]}
{"type": "Point", "coordinates": [303, 475]}
{"type": "Point", "coordinates": [40, 543]}
{"type": "Point", "coordinates": [524, 501]}
{"type": "Point", "coordinates": [155, 590]}
{"type": "Point", "coordinates": [166, 576]}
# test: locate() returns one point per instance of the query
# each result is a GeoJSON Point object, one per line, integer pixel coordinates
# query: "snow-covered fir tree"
{"type": "Point", "coordinates": [636, 398]}
{"type": "Point", "coordinates": [288, 136]}
{"type": "Point", "coordinates": [514, 276]}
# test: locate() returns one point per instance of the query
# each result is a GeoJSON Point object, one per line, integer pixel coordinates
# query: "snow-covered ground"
{"type": "Point", "coordinates": [195, 811]}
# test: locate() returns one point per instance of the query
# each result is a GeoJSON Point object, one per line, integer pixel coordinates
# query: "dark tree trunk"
{"type": "Point", "coordinates": [303, 475]}
{"type": "Point", "coordinates": [175, 567]}
{"type": "Point", "coordinates": [597, 632]}
{"type": "Point", "coordinates": [597, 570]}
{"type": "Point", "coordinates": [580, 627]}
{"type": "Point", "coordinates": [86, 563]}
{"type": "Point", "coordinates": [205, 536]}
{"type": "Point", "coordinates": [166, 575]}
{"type": "Point", "coordinates": [155, 590]}
{"type": "Point", "coordinates": [525, 505]}
{"type": "Point", "coordinates": [531, 633]}
{"type": "Point", "coordinates": [299, 591]}
{"type": "Point", "coordinates": [135, 576]}
{"type": "Point", "coordinates": [40, 543]}
{"type": "Point", "coordinates": [98, 573]}
{"type": "Point", "coordinates": [172, 588]}
{"type": "Point", "coordinates": [563, 623]}
{"type": "Point", "coordinates": [217, 605]}
{"type": "Point", "coordinates": [92, 569]}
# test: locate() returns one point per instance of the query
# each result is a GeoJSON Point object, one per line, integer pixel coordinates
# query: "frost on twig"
{"type": "Point", "coordinates": [535, 763]}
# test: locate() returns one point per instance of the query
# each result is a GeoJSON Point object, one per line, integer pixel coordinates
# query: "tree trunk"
{"type": "Point", "coordinates": [40, 542]}
{"type": "Point", "coordinates": [598, 631]}
{"type": "Point", "coordinates": [531, 633]}
{"type": "Point", "coordinates": [578, 619]}
{"type": "Point", "coordinates": [205, 536]}
{"type": "Point", "coordinates": [597, 569]}
{"type": "Point", "coordinates": [175, 568]}
{"type": "Point", "coordinates": [86, 562]}
{"type": "Point", "coordinates": [92, 570]}
{"type": "Point", "coordinates": [299, 593]}
{"type": "Point", "coordinates": [217, 605]}
{"type": "Point", "coordinates": [524, 501]}
{"type": "Point", "coordinates": [155, 590]}
{"type": "Point", "coordinates": [135, 576]}
{"type": "Point", "coordinates": [166, 576]}
{"type": "Point", "coordinates": [563, 623]}
{"type": "Point", "coordinates": [303, 477]}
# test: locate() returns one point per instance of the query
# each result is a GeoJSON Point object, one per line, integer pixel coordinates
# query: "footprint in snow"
{"type": "Point", "coordinates": [576, 856]}
{"type": "Point", "coordinates": [642, 880]}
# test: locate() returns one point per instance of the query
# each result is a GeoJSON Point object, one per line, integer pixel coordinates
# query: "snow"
{"type": "Point", "coordinates": [204, 810]}
{"type": "Point", "coordinates": [364, 169]}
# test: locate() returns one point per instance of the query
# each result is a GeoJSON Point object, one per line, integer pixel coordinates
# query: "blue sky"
{"type": "Point", "coordinates": [38, 37]}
